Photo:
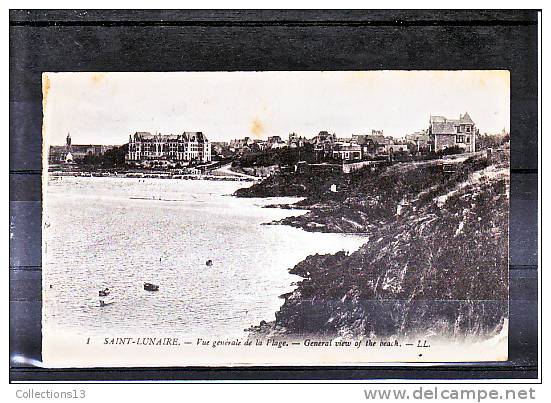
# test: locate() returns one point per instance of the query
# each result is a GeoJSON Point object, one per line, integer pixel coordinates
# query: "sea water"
{"type": "Point", "coordinates": [121, 232]}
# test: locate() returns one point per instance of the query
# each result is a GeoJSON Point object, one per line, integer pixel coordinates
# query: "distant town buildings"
{"type": "Point", "coordinates": [324, 143]}
{"type": "Point", "coordinates": [219, 147]}
{"type": "Point", "coordinates": [70, 153]}
{"type": "Point", "coordinates": [238, 144]}
{"type": "Point", "coordinates": [148, 149]}
{"type": "Point", "coordinates": [347, 151]}
{"type": "Point", "coordinates": [377, 144]}
{"type": "Point", "coordinates": [373, 144]}
{"type": "Point", "coordinates": [144, 148]}
{"type": "Point", "coordinates": [442, 133]}
{"type": "Point", "coordinates": [419, 140]}
{"type": "Point", "coordinates": [296, 141]}
{"type": "Point", "coordinates": [445, 133]}
{"type": "Point", "coordinates": [275, 142]}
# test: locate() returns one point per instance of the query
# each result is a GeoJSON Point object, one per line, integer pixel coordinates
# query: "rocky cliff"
{"type": "Point", "coordinates": [435, 260]}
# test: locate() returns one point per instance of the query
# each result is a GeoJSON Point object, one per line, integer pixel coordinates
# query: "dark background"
{"type": "Point", "coordinates": [172, 40]}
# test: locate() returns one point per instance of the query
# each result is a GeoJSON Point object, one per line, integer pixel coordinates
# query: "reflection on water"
{"type": "Point", "coordinates": [120, 233]}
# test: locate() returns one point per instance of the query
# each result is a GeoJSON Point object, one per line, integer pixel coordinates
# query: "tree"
{"type": "Point", "coordinates": [451, 151]}
{"type": "Point", "coordinates": [112, 158]}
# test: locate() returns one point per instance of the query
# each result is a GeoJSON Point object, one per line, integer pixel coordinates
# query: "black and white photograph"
{"type": "Point", "coordinates": [275, 217]}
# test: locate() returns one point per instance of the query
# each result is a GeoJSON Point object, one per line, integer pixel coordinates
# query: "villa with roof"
{"type": "Point", "coordinates": [445, 133]}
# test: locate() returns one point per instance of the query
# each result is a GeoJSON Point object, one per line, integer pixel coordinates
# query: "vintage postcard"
{"type": "Point", "coordinates": [275, 218]}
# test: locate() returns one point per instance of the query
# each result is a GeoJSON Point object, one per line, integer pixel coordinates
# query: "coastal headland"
{"type": "Point", "coordinates": [435, 260]}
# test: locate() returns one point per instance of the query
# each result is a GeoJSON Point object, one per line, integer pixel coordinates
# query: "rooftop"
{"type": "Point", "coordinates": [189, 136]}
{"type": "Point", "coordinates": [443, 125]}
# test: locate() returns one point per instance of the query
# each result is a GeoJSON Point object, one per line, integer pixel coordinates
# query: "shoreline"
{"type": "Point", "coordinates": [255, 269]}
{"type": "Point", "coordinates": [131, 175]}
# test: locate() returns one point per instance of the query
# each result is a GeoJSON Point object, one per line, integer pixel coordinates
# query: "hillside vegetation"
{"type": "Point", "coordinates": [435, 259]}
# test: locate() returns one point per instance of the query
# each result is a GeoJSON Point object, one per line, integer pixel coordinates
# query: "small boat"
{"type": "Point", "coordinates": [106, 302]}
{"type": "Point", "coordinates": [150, 287]}
{"type": "Point", "coordinates": [105, 292]}
{"type": "Point", "coordinates": [209, 262]}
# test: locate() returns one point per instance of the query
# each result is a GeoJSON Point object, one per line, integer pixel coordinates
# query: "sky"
{"type": "Point", "coordinates": [105, 108]}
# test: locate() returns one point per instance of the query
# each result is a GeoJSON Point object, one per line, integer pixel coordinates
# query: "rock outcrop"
{"type": "Point", "coordinates": [436, 259]}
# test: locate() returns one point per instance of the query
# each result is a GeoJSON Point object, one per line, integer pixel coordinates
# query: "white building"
{"type": "Point", "coordinates": [185, 147]}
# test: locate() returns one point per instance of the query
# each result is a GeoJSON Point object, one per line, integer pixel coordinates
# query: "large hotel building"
{"type": "Point", "coordinates": [185, 147]}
